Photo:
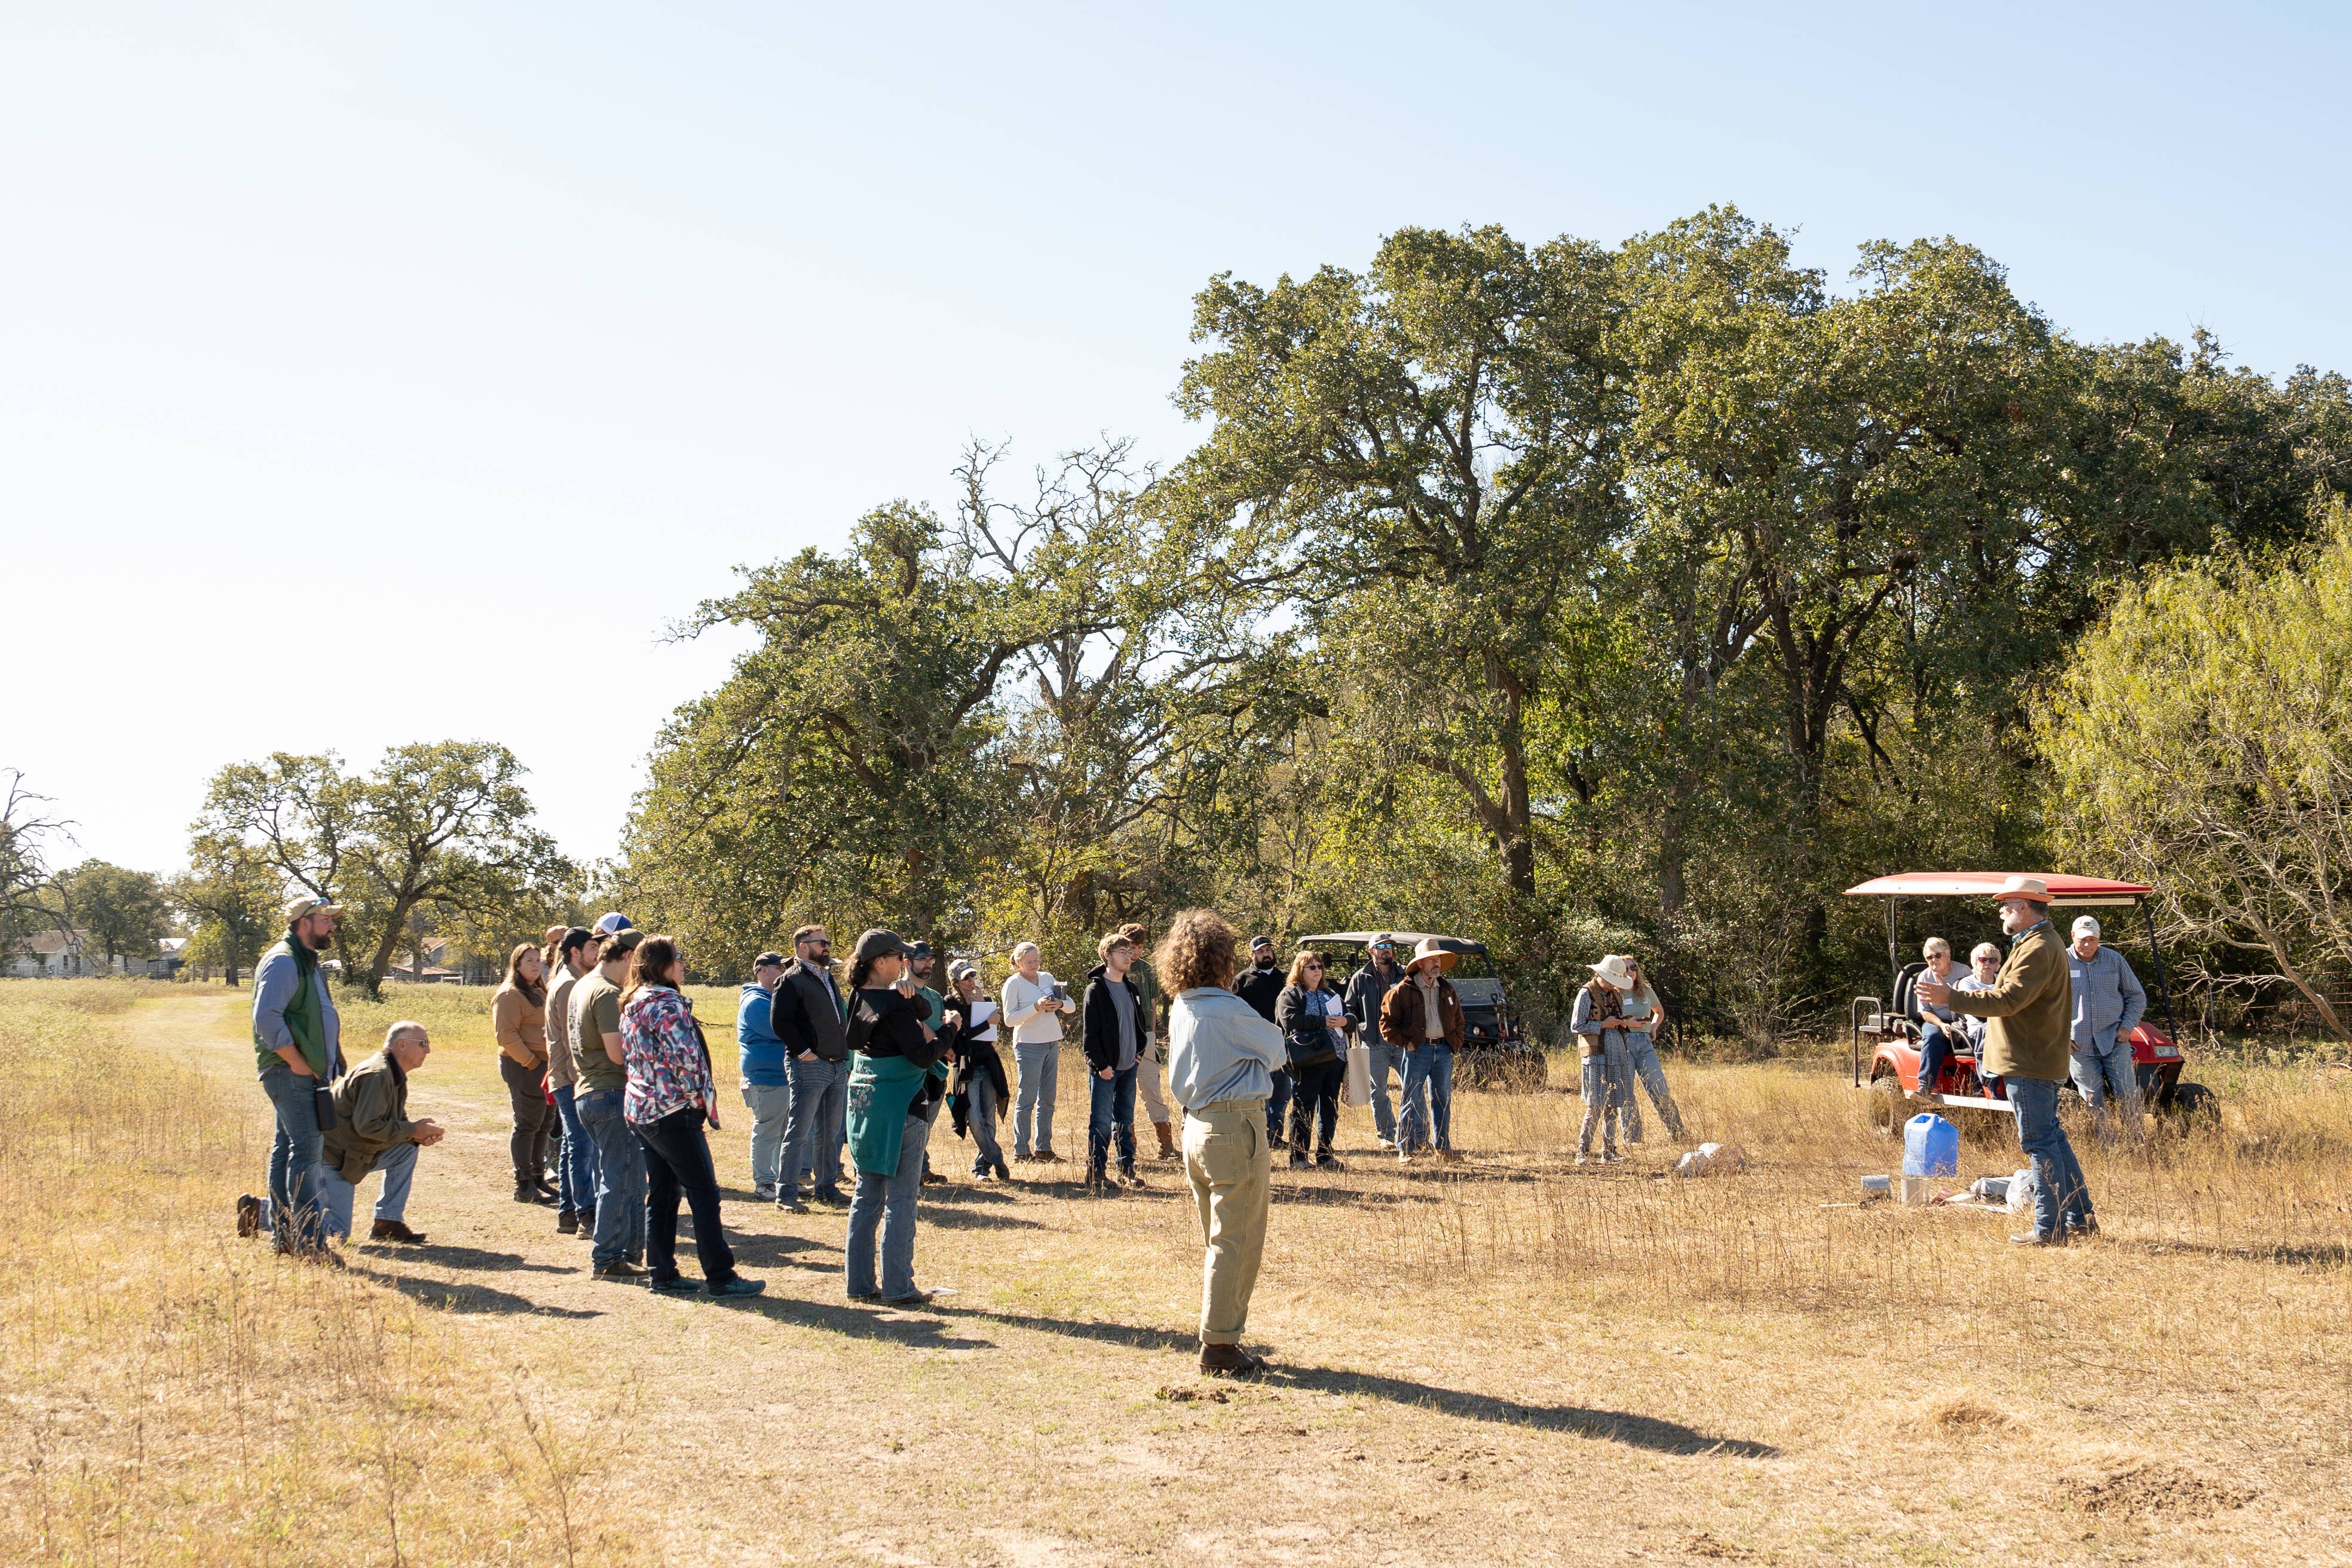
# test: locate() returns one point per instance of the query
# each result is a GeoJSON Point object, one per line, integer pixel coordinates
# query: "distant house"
{"type": "Point", "coordinates": [67, 955]}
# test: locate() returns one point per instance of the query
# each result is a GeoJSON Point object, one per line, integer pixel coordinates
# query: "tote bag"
{"type": "Point", "coordinates": [1358, 1088]}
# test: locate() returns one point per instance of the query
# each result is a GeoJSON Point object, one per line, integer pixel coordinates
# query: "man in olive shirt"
{"type": "Point", "coordinates": [620, 1228]}
{"type": "Point", "coordinates": [2029, 1014]}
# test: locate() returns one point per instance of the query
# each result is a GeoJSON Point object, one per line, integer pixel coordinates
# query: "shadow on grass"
{"type": "Point", "coordinates": [442, 1296]}
{"type": "Point", "coordinates": [2324, 1255]}
{"type": "Point", "coordinates": [762, 1251]}
{"type": "Point", "coordinates": [465, 1257]}
{"type": "Point", "coordinates": [951, 1218]}
{"type": "Point", "coordinates": [859, 1321]}
{"type": "Point", "coordinates": [1617, 1425]}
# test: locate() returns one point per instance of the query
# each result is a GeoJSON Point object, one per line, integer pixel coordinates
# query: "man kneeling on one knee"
{"type": "Point", "coordinates": [373, 1132]}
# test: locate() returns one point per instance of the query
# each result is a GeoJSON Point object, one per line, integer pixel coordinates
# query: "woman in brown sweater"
{"type": "Point", "coordinates": [518, 1017]}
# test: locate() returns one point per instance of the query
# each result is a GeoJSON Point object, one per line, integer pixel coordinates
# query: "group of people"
{"type": "Point", "coordinates": [613, 1095]}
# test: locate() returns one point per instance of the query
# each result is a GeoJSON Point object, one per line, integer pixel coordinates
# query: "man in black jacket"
{"type": "Point", "coordinates": [808, 1016]}
{"type": "Point", "coordinates": [1114, 1024]}
{"type": "Point", "coordinates": [1261, 986]}
{"type": "Point", "coordinates": [1365, 988]}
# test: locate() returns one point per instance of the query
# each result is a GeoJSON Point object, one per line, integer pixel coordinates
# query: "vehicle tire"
{"type": "Point", "coordinates": [1889, 1108]}
{"type": "Point", "coordinates": [2194, 1109]}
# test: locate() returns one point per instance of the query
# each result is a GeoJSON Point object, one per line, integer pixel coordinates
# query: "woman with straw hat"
{"type": "Point", "coordinates": [1598, 1025]}
{"type": "Point", "coordinates": [1421, 1017]}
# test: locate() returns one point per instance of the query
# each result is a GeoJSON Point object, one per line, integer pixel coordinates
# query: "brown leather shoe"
{"type": "Point", "coordinates": [1168, 1150]}
{"type": "Point", "coordinates": [1229, 1360]}
{"type": "Point", "coordinates": [248, 1215]}
{"type": "Point", "coordinates": [393, 1230]}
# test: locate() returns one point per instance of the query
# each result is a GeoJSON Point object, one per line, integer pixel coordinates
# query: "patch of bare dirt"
{"type": "Point", "coordinates": [1963, 1414]}
{"type": "Point", "coordinates": [2136, 1488]}
{"type": "Point", "coordinates": [1699, 1543]}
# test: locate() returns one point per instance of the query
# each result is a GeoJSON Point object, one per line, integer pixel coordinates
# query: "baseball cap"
{"type": "Point", "coordinates": [307, 904]}
{"type": "Point", "coordinates": [961, 967]}
{"type": "Point", "coordinates": [2086, 925]}
{"type": "Point", "coordinates": [919, 950]}
{"type": "Point", "coordinates": [766, 959]}
{"type": "Point", "coordinates": [607, 925]}
{"type": "Point", "coordinates": [1258, 942]}
{"type": "Point", "coordinates": [880, 942]}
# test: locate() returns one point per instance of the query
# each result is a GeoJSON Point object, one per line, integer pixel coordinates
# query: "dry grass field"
{"type": "Point", "coordinates": [1515, 1360]}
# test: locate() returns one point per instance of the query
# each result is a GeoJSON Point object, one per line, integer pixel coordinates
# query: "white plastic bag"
{"type": "Point", "coordinates": [1357, 1088]}
{"type": "Point", "coordinates": [1712, 1160]}
{"type": "Point", "coordinates": [2020, 1191]}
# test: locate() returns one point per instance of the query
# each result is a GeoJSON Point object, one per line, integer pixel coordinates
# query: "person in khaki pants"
{"type": "Point", "coordinates": [1220, 1061]}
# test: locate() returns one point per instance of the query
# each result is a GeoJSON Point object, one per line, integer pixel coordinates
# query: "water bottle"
{"type": "Point", "coordinates": [1931, 1146]}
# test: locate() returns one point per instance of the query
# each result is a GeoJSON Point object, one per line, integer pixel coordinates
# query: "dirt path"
{"type": "Point", "coordinates": [1048, 1412]}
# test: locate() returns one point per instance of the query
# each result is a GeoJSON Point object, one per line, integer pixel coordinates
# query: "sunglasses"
{"type": "Point", "coordinates": [1304, 967]}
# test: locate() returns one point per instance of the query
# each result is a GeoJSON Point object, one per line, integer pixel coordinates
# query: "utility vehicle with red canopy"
{"type": "Point", "coordinates": [1890, 1027]}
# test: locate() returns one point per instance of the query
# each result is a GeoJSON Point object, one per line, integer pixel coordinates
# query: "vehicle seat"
{"type": "Point", "coordinates": [1906, 995]}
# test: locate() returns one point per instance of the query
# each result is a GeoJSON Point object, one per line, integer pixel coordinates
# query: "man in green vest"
{"type": "Point", "coordinates": [297, 1047]}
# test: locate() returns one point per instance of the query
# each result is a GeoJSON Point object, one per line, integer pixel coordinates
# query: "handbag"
{"type": "Point", "coordinates": [1357, 1089]}
{"type": "Point", "coordinates": [323, 1100]}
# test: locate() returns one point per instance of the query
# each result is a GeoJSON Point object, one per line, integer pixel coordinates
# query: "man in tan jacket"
{"type": "Point", "coordinates": [373, 1132]}
{"type": "Point", "coordinates": [2029, 1015]}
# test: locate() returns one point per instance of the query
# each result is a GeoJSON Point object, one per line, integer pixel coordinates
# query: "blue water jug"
{"type": "Point", "coordinates": [1931, 1146]}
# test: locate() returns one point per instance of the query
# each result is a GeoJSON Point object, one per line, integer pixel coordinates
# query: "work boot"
{"type": "Point", "coordinates": [1168, 1150]}
{"type": "Point", "coordinates": [248, 1215]}
{"type": "Point", "coordinates": [1229, 1360]}
{"type": "Point", "coordinates": [620, 1268]}
{"type": "Point", "coordinates": [587, 1219]}
{"type": "Point", "coordinates": [2036, 1238]}
{"type": "Point", "coordinates": [529, 1192]}
{"type": "Point", "coordinates": [568, 1223]}
{"type": "Point", "coordinates": [393, 1230]}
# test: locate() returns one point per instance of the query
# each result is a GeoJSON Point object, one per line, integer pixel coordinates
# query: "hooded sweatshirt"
{"type": "Point", "coordinates": [762, 1049]}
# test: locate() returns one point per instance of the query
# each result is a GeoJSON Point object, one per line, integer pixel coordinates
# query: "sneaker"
{"type": "Point", "coordinates": [738, 1286]}
{"type": "Point", "coordinates": [765, 1191]}
{"type": "Point", "coordinates": [620, 1268]}
{"type": "Point", "coordinates": [568, 1223]}
{"type": "Point", "coordinates": [791, 1203]}
{"type": "Point", "coordinates": [1582, 1158]}
{"type": "Point", "coordinates": [985, 1178]}
{"type": "Point", "coordinates": [676, 1285]}
{"type": "Point", "coordinates": [248, 1215]}
{"type": "Point", "coordinates": [393, 1230]}
{"type": "Point", "coordinates": [1611, 1157]}
{"type": "Point", "coordinates": [1387, 1145]}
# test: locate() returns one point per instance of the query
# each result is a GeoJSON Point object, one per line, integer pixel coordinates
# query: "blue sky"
{"type": "Point", "coordinates": [360, 369]}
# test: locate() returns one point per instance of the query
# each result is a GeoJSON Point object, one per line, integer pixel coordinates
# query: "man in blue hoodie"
{"type": "Point", "coordinates": [767, 1087]}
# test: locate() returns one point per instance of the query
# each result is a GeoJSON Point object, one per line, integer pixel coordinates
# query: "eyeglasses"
{"type": "Point", "coordinates": [1304, 967]}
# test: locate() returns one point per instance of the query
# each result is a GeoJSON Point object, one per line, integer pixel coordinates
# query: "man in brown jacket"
{"type": "Point", "coordinates": [2029, 1015]}
{"type": "Point", "coordinates": [373, 1132]}
{"type": "Point", "coordinates": [1421, 1017]}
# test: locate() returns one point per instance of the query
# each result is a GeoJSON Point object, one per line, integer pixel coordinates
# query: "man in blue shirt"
{"type": "Point", "coordinates": [2108, 1005]}
{"type": "Point", "coordinates": [767, 1088]}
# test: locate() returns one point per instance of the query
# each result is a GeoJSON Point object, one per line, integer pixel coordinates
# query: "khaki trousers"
{"type": "Point", "coordinates": [1147, 1084]}
{"type": "Point", "coordinates": [1230, 1163]}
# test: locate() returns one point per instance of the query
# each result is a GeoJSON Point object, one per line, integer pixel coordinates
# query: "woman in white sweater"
{"type": "Point", "coordinates": [1032, 1011]}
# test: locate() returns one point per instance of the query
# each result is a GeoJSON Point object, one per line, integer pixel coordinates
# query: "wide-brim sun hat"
{"type": "Point", "coordinates": [1429, 948]}
{"type": "Point", "coordinates": [1611, 972]}
{"type": "Point", "coordinates": [2030, 887]}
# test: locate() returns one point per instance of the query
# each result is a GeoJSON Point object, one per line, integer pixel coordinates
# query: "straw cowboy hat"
{"type": "Point", "coordinates": [1428, 948]}
{"type": "Point", "coordinates": [1612, 973]}
{"type": "Point", "coordinates": [2033, 888]}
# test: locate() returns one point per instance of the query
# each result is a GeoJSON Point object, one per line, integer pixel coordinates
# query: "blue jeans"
{"type": "Point", "coordinates": [2109, 1086]}
{"type": "Point", "coordinates": [398, 1165]}
{"type": "Point", "coordinates": [1596, 1087]}
{"type": "Point", "coordinates": [2061, 1197]}
{"type": "Point", "coordinates": [1032, 1101]}
{"type": "Point", "coordinates": [620, 1179]}
{"type": "Point", "coordinates": [1641, 1067]}
{"type": "Point", "coordinates": [575, 1163]}
{"type": "Point", "coordinates": [1277, 1102]}
{"type": "Point", "coordinates": [888, 1202]}
{"type": "Point", "coordinates": [980, 1111]}
{"type": "Point", "coordinates": [814, 1127]}
{"type": "Point", "coordinates": [770, 1105]}
{"type": "Point", "coordinates": [1384, 1060]}
{"type": "Point", "coordinates": [1935, 1052]}
{"type": "Point", "coordinates": [1112, 1106]}
{"type": "Point", "coordinates": [295, 1213]}
{"type": "Point", "coordinates": [1428, 1081]}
